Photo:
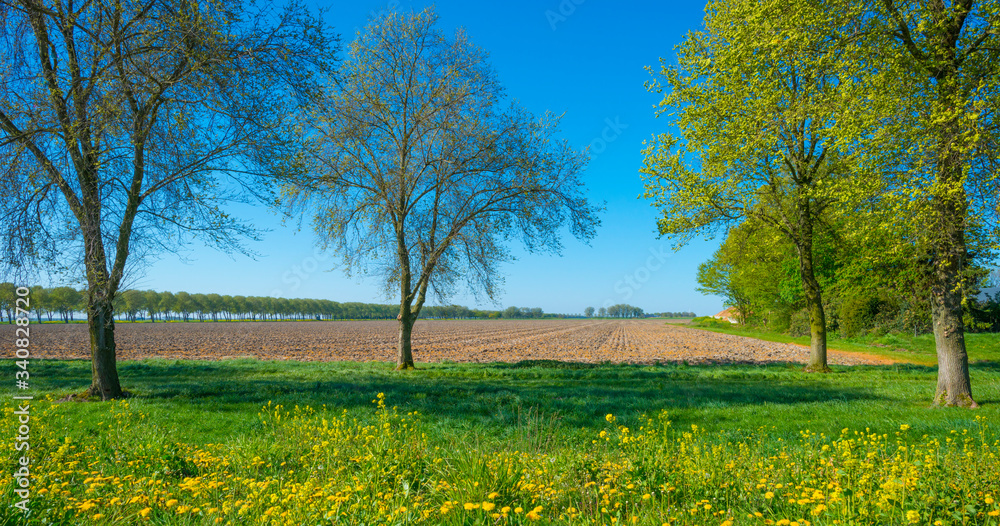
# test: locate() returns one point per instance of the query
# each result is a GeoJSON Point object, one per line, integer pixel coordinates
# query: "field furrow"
{"type": "Point", "coordinates": [590, 341]}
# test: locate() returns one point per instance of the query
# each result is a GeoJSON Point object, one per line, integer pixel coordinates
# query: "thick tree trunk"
{"type": "Point", "coordinates": [950, 212]}
{"type": "Point", "coordinates": [104, 368]}
{"type": "Point", "coordinates": [954, 386]}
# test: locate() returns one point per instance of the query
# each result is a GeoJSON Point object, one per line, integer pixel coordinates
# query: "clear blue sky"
{"type": "Point", "coordinates": [584, 58]}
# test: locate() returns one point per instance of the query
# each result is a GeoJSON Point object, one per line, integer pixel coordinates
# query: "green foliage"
{"type": "Point", "coordinates": [708, 321]}
{"type": "Point", "coordinates": [857, 314]}
{"type": "Point", "coordinates": [624, 310]}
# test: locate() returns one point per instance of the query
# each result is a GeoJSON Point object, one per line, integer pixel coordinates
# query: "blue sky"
{"type": "Point", "coordinates": [584, 58]}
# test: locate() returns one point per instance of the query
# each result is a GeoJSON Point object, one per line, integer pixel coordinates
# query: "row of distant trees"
{"type": "Point", "coordinates": [55, 303]}
{"type": "Point", "coordinates": [61, 303]}
{"type": "Point", "coordinates": [522, 313]}
{"type": "Point", "coordinates": [620, 310]}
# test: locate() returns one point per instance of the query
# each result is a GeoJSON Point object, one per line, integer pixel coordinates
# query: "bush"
{"type": "Point", "coordinates": [708, 321]}
{"type": "Point", "coordinates": [858, 315]}
{"type": "Point", "coordinates": [798, 323]}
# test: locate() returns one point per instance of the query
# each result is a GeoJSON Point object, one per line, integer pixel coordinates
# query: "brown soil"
{"type": "Point", "coordinates": [622, 341]}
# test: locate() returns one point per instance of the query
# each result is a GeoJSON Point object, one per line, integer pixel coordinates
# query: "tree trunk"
{"type": "Point", "coordinates": [814, 300]}
{"type": "Point", "coordinates": [104, 368]}
{"type": "Point", "coordinates": [404, 356]}
{"type": "Point", "coordinates": [954, 386]}
{"type": "Point", "coordinates": [950, 211]}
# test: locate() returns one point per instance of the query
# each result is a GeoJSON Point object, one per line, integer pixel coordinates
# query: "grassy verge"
{"type": "Point", "coordinates": [241, 442]}
{"type": "Point", "coordinates": [903, 347]}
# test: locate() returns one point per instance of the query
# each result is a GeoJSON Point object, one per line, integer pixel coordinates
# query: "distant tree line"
{"type": "Point", "coordinates": [522, 312]}
{"type": "Point", "coordinates": [620, 311]}
{"type": "Point", "coordinates": [61, 304]}
{"type": "Point", "coordinates": [625, 311]}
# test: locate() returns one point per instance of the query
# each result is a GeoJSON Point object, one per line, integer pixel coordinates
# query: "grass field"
{"type": "Point", "coordinates": [916, 349]}
{"type": "Point", "coordinates": [248, 442]}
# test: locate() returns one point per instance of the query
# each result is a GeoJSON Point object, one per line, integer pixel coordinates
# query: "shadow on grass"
{"type": "Point", "coordinates": [579, 393]}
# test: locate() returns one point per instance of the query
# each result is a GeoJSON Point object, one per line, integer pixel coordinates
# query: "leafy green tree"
{"type": "Point", "coordinates": [185, 305]}
{"type": "Point", "coordinates": [118, 119]}
{"type": "Point", "coordinates": [168, 304]}
{"type": "Point", "coordinates": [151, 304]}
{"type": "Point", "coordinates": [213, 304]}
{"type": "Point", "coordinates": [717, 277]}
{"type": "Point", "coordinates": [240, 306]}
{"type": "Point", "coordinates": [39, 302]}
{"type": "Point", "coordinates": [7, 296]}
{"type": "Point", "coordinates": [930, 110]}
{"type": "Point", "coordinates": [132, 302]}
{"type": "Point", "coordinates": [426, 170]}
{"type": "Point", "coordinates": [65, 300]}
{"type": "Point", "coordinates": [255, 305]}
{"type": "Point", "coordinates": [588, 312]}
{"type": "Point", "coordinates": [756, 98]}
{"type": "Point", "coordinates": [199, 306]}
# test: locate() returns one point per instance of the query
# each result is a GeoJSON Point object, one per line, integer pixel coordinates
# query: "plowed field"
{"type": "Point", "coordinates": [624, 341]}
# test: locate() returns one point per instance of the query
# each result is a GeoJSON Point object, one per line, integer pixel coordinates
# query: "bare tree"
{"type": "Point", "coordinates": [426, 171]}
{"type": "Point", "coordinates": [120, 122]}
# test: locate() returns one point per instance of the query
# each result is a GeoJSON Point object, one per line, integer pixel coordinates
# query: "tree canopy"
{"type": "Point", "coordinates": [426, 170]}
{"type": "Point", "coordinates": [125, 127]}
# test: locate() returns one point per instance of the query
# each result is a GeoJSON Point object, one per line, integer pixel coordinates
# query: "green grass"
{"type": "Point", "coordinates": [983, 347]}
{"type": "Point", "coordinates": [208, 402]}
{"type": "Point", "coordinates": [478, 421]}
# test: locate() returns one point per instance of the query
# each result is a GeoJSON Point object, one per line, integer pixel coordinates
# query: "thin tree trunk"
{"type": "Point", "coordinates": [404, 356]}
{"type": "Point", "coordinates": [814, 298]}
